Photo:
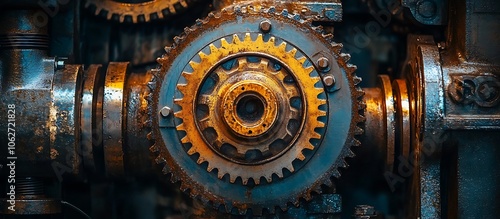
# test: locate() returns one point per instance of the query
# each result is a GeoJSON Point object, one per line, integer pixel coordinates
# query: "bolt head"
{"type": "Point", "coordinates": [265, 26]}
{"type": "Point", "coordinates": [329, 80]}
{"type": "Point", "coordinates": [165, 111]}
{"type": "Point", "coordinates": [323, 63]}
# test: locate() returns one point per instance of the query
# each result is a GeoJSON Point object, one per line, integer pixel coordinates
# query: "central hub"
{"type": "Point", "coordinates": [250, 108]}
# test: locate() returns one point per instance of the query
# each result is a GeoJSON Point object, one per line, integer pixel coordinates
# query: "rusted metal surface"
{"type": "Point", "coordinates": [113, 106]}
{"type": "Point", "coordinates": [402, 112]}
{"type": "Point", "coordinates": [32, 207]}
{"type": "Point", "coordinates": [65, 117]}
{"type": "Point", "coordinates": [91, 116]}
{"type": "Point", "coordinates": [138, 160]}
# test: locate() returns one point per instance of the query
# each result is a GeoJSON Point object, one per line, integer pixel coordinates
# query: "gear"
{"type": "Point", "coordinates": [226, 85]}
{"type": "Point", "coordinates": [238, 131]}
{"type": "Point", "coordinates": [145, 10]}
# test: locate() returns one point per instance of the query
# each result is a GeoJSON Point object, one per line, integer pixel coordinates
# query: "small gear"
{"type": "Point", "coordinates": [144, 11]}
{"type": "Point", "coordinates": [259, 87]}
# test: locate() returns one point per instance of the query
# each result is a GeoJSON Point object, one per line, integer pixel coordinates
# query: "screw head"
{"type": "Point", "coordinates": [265, 26]}
{"type": "Point", "coordinates": [329, 80]}
{"type": "Point", "coordinates": [165, 111]}
{"type": "Point", "coordinates": [323, 63]}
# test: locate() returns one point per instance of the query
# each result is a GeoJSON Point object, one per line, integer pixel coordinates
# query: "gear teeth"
{"type": "Point", "coordinates": [282, 47]}
{"type": "Point", "coordinates": [336, 173]}
{"type": "Point", "coordinates": [184, 187]}
{"type": "Point", "coordinates": [166, 170]}
{"type": "Point", "coordinates": [154, 148]}
{"type": "Point", "coordinates": [247, 38]}
{"type": "Point", "coordinates": [160, 60]}
{"type": "Point", "coordinates": [284, 13]}
{"type": "Point", "coordinates": [328, 37]}
{"type": "Point", "coordinates": [191, 150]}
{"type": "Point", "coordinates": [350, 154]}
{"type": "Point", "coordinates": [328, 183]}
{"type": "Point", "coordinates": [210, 167]}
{"type": "Point", "coordinates": [271, 9]}
{"type": "Point", "coordinates": [356, 80]}
{"type": "Point", "coordinates": [356, 142]}
{"type": "Point", "coordinates": [292, 52]}
{"type": "Point", "coordinates": [302, 60]}
{"type": "Point", "coordinates": [337, 47]}
{"type": "Point", "coordinates": [345, 57]}
{"type": "Point", "coordinates": [309, 146]}
{"type": "Point", "coordinates": [244, 181]}
{"type": "Point", "coordinates": [151, 85]}
{"type": "Point", "coordinates": [149, 136]}
{"type": "Point", "coordinates": [279, 173]}
{"type": "Point", "coordinates": [177, 40]}
{"type": "Point", "coordinates": [198, 22]}
{"type": "Point", "coordinates": [220, 174]}
{"type": "Point", "coordinates": [301, 156]}
{"type": "Point", "coordinates": [359, 95]}
{"type": "Point", "coordinates": [320, 124]}
{"type": "Point", "coordinates": [358, 131]}
{"type": "Point", "coordinates": [344, 164]}
{"type": "Point", "coordinates": [296, 17]}
{"type": "Point", "coordinates": [236, 39]}
{"type": "Point", "coordinates": [201, 160]}
{"type": "Point", "coordinates": [160, 160]}
{"type": "Point", "coordinates": [269, 179]}
{"type": "Point", "coordinates": [232, 178]}
{"type": "Point", "coordinates": [351, 68]}
{"type": "Point", "coordinates": [224, 44]}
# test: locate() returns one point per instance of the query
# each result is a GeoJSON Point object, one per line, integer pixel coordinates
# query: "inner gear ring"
{"type": "Point", "coordinates": [287, 146]}
{"type": "Point", "coordinates": [268, 130]}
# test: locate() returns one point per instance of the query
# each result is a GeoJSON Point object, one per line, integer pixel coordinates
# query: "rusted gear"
{"type": "Point", "coordinates": [144, 10]}
{"type": "Point", "coordinates": [242, 142]}
{"type": "Point", "coordinates": [181, 87]}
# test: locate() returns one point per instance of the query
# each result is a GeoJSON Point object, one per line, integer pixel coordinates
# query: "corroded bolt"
{"type": "Point", "coordinates": [165, 111]}
{"type": "Point", "coordinates": [329, 80]}
{"type": "Point", "coordinates": [265, 26]}
{"type": "Point", "coordinates": [323, 63]}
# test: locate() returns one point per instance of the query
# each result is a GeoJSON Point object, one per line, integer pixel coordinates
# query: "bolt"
{"type": "Point", "coordinates": [427, 8]}
{"type": "Point", "coordinates": [329, 80]}
{"type": "Point", "coordinates": [323, 63]}
{"type": "Point", "coordinates": [265, 26]}
{"type": "Point", "coordinates": [165, 111]}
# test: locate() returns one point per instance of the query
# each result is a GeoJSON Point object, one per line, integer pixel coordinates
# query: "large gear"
{"type": "Point", "coordinates": [203, 62]}
{"type": "Point", "coordinates": [144, 11]}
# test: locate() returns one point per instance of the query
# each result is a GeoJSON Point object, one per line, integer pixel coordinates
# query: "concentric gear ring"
{"type": "Point", "coordinates": [142, 11]}
{"type": "Point", "coordinates": [266, 86]}
{"type": "Point", "coordinates": [194, 81]}
{"type": "Point", "coordinates": [345, 108]}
